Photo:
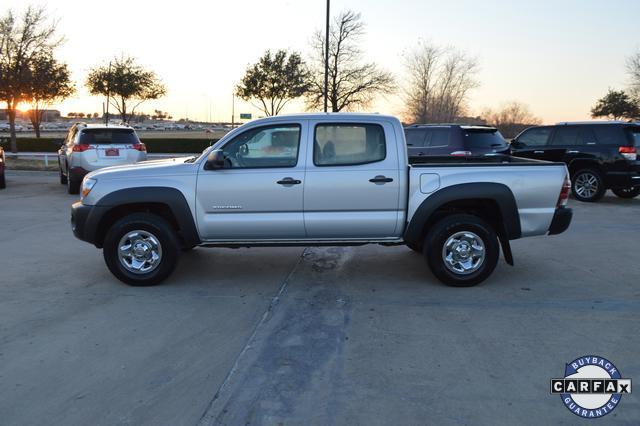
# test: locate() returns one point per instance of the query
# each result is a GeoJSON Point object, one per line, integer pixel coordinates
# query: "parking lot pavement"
{"type": "Point", "coordinates": [322, 335]}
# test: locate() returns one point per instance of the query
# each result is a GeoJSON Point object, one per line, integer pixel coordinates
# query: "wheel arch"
{"type": "Point", "coordinates": [168, 203]}
{"type": "Point", "coordinates": [493, 202]}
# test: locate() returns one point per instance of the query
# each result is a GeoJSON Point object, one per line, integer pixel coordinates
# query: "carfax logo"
{"type": "Point", "coordinates": [592, 386]}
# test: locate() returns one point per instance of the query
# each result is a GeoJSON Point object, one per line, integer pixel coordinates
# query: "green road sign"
{"type": "Point", "coordinates": [245, 116]}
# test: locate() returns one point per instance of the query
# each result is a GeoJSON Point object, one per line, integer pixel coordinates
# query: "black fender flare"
{"type": "Point", "coordinates": [497, 192]}
{"type": "Point", "coordinates": [171, 197]}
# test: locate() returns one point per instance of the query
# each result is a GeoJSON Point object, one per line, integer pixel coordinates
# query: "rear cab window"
{"type": "Point", "coordinates": [108, 137]}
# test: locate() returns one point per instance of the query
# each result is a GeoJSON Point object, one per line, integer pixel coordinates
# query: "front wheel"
{"type": "Point", "coordinates": [462, 250]}
{"type": "Point", "coordinates": [141, 249]}
{"type": "Point", "coordinates": [627, 192]}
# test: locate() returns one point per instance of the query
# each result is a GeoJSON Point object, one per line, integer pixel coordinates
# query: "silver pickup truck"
{"type": "Point", "coordinates": [320, 179]}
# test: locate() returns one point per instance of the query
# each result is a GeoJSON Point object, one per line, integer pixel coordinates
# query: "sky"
{"type": "Point", "coordinates": [558, 57]}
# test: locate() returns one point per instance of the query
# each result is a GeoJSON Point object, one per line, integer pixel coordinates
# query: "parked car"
{"type": "Point", "coordinates": [3, 158]}
{"type": "Point", "coordinates": [319, 179]}
{"type": "Point", "coordinates": [90, 147]}
{"type": "Point", "coordinates": [425, 140]}
{"type": "Point", "coordinates": [600, 155]}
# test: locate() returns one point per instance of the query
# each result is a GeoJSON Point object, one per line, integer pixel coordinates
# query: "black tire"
{"type": "Point", "coordinates": [63, 177]}
{"type": "Point", "coordinates": [73, 184]}
{"type": "Point", "coordinates": [415, 247]}
{"type": "Point", "coordinates": [448, 228]}
{"type": "Point", "coordinates": [587, 185]}
{"type": "Point", "coordinates": [160, 229]}
{"type": "Point", "coordinates": [627, 192]}
{"type": "Point", "coordinates": [3, 181]}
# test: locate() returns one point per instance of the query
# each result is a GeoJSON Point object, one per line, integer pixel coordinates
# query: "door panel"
{"type": "Point", "coordinates": [259, 196]}
{"type": "Point", "coordinates": [341, 200]}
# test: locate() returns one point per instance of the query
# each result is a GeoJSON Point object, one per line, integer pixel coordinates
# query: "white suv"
{"type": "Point", "coordinates": [89, 147]}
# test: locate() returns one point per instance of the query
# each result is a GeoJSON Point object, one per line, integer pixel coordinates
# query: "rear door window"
{"type": "Point", "coordinates": [108, 137]}
{"type": "Point", "coordinates": [343, 144]}
{"type": "Point", "coordinates": [537, 136]}
{"type": "Point", "coordinates": [416, 138]}
{"type": "Point", "coordinates": [483, 139]}
{"type": "Point", "coordinates": [573, 136]}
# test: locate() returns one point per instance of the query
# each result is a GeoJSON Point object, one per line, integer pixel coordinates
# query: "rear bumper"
{"type": "Point", "coordinates": [561, 220]}
{"type": "Point", "coordinates": [624, 179]}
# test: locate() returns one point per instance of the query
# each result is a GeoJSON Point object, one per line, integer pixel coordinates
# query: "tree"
{"type": "Point", "coordinates": [633, 69]}
{"type": "Point", "coordinates": [512, 118]}
{"type": "Point", "coordinates": [438, 83]}
{"type": "Point", "coordinates": [125, 82]}
{"type": "Point", "coordinates": [274, 80]}
{"type": "Point", "coordinates": [353, 84]}
{"type": "Point", "coordinates": [22, 40]}
{"type": "Point", "coordinates": [616, 105]}
{"type": "Point", "coordinates": [49, 81]}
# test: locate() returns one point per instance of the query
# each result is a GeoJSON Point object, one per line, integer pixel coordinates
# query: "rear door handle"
{"type": "Point", "coordinates": [538, 152]}
{"type": "Point", "coordinates": [289, 181]}
{"type": "Point", "coordinates": [380, 179]}
{"type": "Point", "coordinates": [572, 152]}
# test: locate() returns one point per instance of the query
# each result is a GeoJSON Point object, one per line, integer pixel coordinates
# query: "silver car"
{"type": "Point", "coordinates": [90, 147]}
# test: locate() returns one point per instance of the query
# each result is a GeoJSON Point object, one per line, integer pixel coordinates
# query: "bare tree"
{"type": "Point", "coordinates": [512, 118]}
{"type": "Point", "coordinates": [439, 80]}
{"type": "Point", "coordinates": [21, 40]}
{"type": "Point", "coordinates": [353, 84]}
{"type": "Point", "coordinates": [633, 69]}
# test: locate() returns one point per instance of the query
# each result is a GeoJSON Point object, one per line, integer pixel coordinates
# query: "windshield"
{"type": "Point", "coordinates": [484, 138]}
{"type": "Point", "coordinates": [108, 137]}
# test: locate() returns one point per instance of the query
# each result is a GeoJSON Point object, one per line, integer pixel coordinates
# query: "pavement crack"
{"type": "Point", "coordinates": [208, 417]}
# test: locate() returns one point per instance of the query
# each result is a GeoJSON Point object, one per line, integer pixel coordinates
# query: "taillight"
{"type": "Point", "coordinates": [461, 153]}
{"type": "Point", "coordinates": [564, 192]}
{"type": "Point", "coordinates": [81, 147]}
{"type": "Point", "coordinates": [629, 152]}
{"type": "Point", "coordinates": [139, 146]}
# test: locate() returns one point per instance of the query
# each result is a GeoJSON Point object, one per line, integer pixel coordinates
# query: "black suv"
{"type": "Point", "coordinates": [453, 139]}
{"type": "Point", "coordinates": [600, 155]}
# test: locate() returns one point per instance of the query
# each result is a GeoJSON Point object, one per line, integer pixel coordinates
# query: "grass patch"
{"type": "Point", "coordinates": [30, 164]}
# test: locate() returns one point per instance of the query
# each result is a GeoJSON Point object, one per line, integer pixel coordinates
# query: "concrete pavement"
{"type": "Point", "coordinates": [361, 335]}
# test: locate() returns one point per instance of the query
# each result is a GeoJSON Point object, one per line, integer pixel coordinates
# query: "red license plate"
{"type": "Point", "coordinates": [112, 152]}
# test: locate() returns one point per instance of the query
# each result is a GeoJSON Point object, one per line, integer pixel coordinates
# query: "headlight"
{"type": "Point", "coordinates": [87, 186]}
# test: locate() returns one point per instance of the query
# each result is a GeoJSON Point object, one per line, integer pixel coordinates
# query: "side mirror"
{"type": "Point", "coordinates": [515, 143]}
{"type": "Point", "coordinates": [215, 160]}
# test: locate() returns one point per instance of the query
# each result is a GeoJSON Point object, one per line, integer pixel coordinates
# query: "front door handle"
{"type": "Point", "coordinates": [289, 181]}
{"type": "Point", "coordinates": [538, 152]}
{"type": "Point", "coordinates": [572, 152]}
{"type": "Point", "coordinates": [380, 179]}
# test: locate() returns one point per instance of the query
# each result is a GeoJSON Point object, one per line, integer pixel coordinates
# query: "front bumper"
{"type": "Point", "coordinates": [561, 220]}
{"type": "Point", "coordinates": [85, 221]}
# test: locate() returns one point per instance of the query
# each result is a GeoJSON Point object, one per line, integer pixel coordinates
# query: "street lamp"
{"type": "Point", "coordinates": [326, 60]}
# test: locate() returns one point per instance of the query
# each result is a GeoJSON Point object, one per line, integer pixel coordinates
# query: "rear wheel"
{"type": "Point", "coordinates": [73, 184]}
{"type": "Point", "coordinates": [3, 182]}
{"type": "Point", "coordinates": [627, 192]}
{"type": "Point", "coordinates": [63, 177]}
{"type": "Point", "coordinates": [587, 185]}
{"type": "Point", "coordinates": [141, 249]}
{"type": "Point", "coordinates": [462, 250]}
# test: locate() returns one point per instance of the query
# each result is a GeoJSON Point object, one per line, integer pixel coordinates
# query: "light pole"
{"type": "Point", "coordinates": [326, 60]}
